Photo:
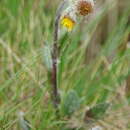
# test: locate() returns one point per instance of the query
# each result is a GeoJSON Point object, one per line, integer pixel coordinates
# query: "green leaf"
{"type": "Point", "coordinates": [97, 112]}
{"type": "Point", "coordinates": [70, 103]}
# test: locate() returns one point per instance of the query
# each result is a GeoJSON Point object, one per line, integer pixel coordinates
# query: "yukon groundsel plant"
{"type": "Point", "coordinates": [66, 17]}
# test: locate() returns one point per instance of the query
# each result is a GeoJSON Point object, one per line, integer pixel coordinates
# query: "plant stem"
{"type": "Point", "coordinates": [54, 65]}
{"type": "Point", "coordinates": [55, 95]}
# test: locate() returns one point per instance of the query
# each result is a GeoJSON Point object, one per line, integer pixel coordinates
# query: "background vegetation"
{"type": "Point", "coordinates": [94, 68]}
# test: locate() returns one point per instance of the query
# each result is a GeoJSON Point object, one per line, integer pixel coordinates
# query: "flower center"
{"type": "Point", "coordinates": [85, 7]}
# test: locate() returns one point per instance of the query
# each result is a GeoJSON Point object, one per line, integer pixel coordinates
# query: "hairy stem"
{"type": "Point", "coordinates": [55, 95]}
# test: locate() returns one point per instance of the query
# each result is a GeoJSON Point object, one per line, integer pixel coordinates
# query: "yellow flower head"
{"type": "Point", "coordinates": [67, 22]}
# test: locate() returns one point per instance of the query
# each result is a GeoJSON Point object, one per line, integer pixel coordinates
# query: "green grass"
{"type": "Point", "coordinates": [25, 26]}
